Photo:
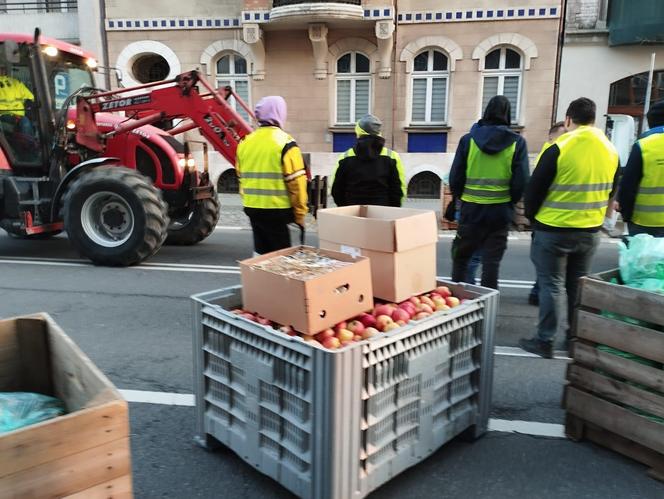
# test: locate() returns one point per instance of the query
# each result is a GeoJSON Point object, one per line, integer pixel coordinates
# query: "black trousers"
{"type": "Point", "coordinates": [270, 228]}
{"type": "Point", "coordinates": [472, 237]}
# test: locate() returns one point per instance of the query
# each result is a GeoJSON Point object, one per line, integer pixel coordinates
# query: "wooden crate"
{"type": "Point", "coordinates": [603, 387]}
{"type": "Point", "coordinates": [84, 453]}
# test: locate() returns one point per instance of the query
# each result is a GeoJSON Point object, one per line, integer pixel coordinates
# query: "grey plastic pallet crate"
{"type": "Point", "coordinates": [338, 424]}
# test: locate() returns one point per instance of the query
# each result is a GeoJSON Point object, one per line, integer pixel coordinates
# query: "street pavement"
{"type": "Point", "coordinates": [136, 325]}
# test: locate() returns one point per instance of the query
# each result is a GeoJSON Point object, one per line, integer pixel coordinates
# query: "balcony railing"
{"type": "Point", "coordinates": [37, 6]}
{"type": "Point", "coordinates": [283, 3]}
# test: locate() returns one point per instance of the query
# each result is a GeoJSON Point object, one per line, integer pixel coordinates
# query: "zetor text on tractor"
{"type": "Point", "coordinates": [120, 185]}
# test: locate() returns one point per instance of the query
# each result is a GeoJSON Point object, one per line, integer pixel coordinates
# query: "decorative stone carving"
{"type": "Point", "coordinates": [385, 38]}
{"type": "Point", "coordinates": [318, 37]}
{"type": "Point", "coordinates": [253, 36]}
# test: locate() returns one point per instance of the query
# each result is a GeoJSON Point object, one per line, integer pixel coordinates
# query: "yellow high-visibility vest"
{"type": "Point", "coordinates": [488, 175]}
{"type": "Point", "coordinates": [13, 94]}
{"type": "Point", "coordinates": [585, 171]}
{"type": "Point", "coordinates": [261, 174]}
{"type": "Point", "coordinates": [649, 204]}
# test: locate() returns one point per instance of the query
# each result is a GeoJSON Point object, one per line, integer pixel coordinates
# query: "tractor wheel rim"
{"type": "Point", "coordinates": [107, 219]}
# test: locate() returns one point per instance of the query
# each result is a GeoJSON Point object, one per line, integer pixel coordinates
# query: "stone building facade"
{"type": "Point", "coordinates": [425, 67]}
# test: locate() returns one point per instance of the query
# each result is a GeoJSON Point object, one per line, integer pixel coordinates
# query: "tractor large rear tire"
{"type": "Point", "coordinates": [115, 216]}
{"type": "Point", "coordinates": [197, 225]}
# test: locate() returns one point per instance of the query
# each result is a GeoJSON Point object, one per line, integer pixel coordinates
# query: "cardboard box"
{"type": "Point", "coordinates": [400, 242]}
{"type": "Point", "coordinates": [84, 453]}
{"type": "Point", "coordinates": [312, 305]}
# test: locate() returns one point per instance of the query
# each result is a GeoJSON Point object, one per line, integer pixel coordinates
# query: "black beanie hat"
{"type": "Point", "coordinates": [656, 114]}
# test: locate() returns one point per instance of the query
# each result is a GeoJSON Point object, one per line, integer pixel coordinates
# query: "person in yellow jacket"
{"type": "Point", "coordinates": [13, 97]}
{"type": "Point", "coordinates": [368, 172]}
{"type": "Point", "coordinates": [273, 180]}
{"type": "Point", "coordinates": [641, 193]}
{"type": "Point", "coordinates": [565, 201]}
{"type": "Point", "coordinates": [556, 130]}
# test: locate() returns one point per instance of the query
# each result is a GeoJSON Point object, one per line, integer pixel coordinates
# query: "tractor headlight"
{"type": "Point", "coordinates": [92, 63]}
{"type": "Point", "coordinates": [51, 51]}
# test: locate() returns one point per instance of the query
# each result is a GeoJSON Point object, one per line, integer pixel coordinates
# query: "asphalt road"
{"type": "Point", "coordinates": [136, 323]}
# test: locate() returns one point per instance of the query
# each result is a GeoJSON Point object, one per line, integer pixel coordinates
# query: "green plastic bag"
{"type": "Point", "coordinates": [642, 263]}
{"type": "Point", "coordinates": [19, 409]}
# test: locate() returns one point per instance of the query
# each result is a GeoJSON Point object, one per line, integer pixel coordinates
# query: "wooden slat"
{"type": "Point", "coordinates": [119, 488]}
{"type": "Point", "coordinates": [616, 419]}
{"type": "Point", "coordinates": [56, 438]}
{"type": "Point", "coordinates": [634, 371]}
{"type": "Point", "coordinates": [625, 447]}
{"type": "Point", "coordinates": [70, 474]}
{"type": "Point", "coordinates": [637, 340]}
{"type": "Point", "coordinates": [35, 373]}
{"type": "Point", "coordinates": [616, 390]}
{"type": "Point", "coordinates": [76, 379]}
{"type": "Point", "coordinates": [623, 300]}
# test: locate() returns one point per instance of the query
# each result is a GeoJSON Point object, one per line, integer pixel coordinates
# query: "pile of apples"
{"type": "Point", "coordinates": [384, 317]}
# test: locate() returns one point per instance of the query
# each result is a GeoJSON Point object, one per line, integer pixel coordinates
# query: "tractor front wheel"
{"type": "Point", "coordinates": [115, 216]}
{"type": "Point", "coordinates": [195, 225]}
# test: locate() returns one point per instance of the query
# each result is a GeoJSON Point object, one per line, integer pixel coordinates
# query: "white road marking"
{"type": "Point", "coordinates": [504, 425]}
{"type": "Point", "coordinates": [519, 352]}
{"type": "Point", "coordinates": [231, 227]}
{"type": "Point", "coordinates": [211, 269]}
{"type": "Point", "coordinates": [162, 398]}
{"type": "Point", "coordinates": [528, 428]}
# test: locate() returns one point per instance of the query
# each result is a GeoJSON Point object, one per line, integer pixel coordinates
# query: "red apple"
{"type": "Point", "coordinates": [423, 307]}
{"type": "Point", "coordinates": [345, 335]}
{"type": "Point", "coordinates": [382, 321]}
{"type": "Point", "coordinates": [421, 315]}
{"type": "Point", "coordinates": [408, 307]}
{"type": "Point", "coordinates": [341, 325]}
{"type": "Point", "coordinates": [237, 311]}
{"type": "Point", "coordinates": [249, 316]}
{"type": "Point", "coordinates": [367, 319]}
{"type": "Point", "coordinates": [355, 326]}
{"type": "Point", "coordinates": [452, 301]}
{"type": "Point", "coordinates": [263, 321]}
{"type": "Point", "coordinates": [390, 327]}
{"type": "Point", "coordinates": [443, 291]}
{"type": "Point", "coordinates": [327, 333]}
{"type": "Point", "coordinates": [427, 301]}
{"type": "Point", "coordinates": [357, 337]}
{"type": "Point", "coordinates": [369, 332]}
{"type": "Point", "coordinates": [345, 343]}
{"type": "Point", "coordinates": [400, 314]}
{"type": "Point", "coordinates": [312, 340]}
{"type": "Point", "coordinates": [414, 300]}
{"type": "Point", "coordinates": [401, 323]}
{"type": "Point", "coordinates": [331, 342]}
{"type": "Point", "coordinates": [383, 309]}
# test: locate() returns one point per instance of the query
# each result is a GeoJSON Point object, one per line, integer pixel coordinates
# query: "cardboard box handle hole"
{"type": "Point", "coordinates": [342, 289]}
{"type": "Point", "coordinates": [323, 313]}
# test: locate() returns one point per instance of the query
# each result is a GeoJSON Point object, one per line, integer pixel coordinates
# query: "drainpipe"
{"type": "Point", "coordinates": [559, 55]}
{"type": "Point", "coordinates": [394, 75]}
{"type": "Point", "coordinates": [104, 43]}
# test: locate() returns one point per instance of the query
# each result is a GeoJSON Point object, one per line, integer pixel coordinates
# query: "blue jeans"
{"type": "Point", "coordinates": [561, 259]}
{"type": "Point", "coordinates": [473, 265]}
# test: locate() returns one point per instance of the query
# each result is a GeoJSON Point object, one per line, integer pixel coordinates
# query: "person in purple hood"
{"type": "Point", "coordinates": [273, 180]}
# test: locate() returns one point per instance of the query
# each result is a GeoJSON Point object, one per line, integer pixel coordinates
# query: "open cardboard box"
{"type": "Point", "coordinates": [308, 306]}
{"type": "Point", "coordinates": [84, 453]}
{"type": "Point", "coordinates": [400, 242]}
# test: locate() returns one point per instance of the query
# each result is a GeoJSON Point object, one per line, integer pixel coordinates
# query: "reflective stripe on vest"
{"type": "Point", "coordinates": [584, 176]}
{"type": "Point", "coordinates": [261, 172]}
{"type": "Point", "coordinates": [488, 175]}
{"type": "Point", "coordinates": [649, 204]}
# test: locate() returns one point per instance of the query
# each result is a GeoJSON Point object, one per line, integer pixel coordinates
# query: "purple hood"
{"type": "Point", "coordinates": [271, 110]}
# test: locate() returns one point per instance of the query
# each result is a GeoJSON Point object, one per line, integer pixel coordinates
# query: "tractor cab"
{"type": "Point", "coordinates": [34, 94]}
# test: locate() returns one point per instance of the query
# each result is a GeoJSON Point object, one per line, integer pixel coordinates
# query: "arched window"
{"type": "Point", "coordinates": [503, 70]}
{"type": "Point", "coordinates": [424, 185]}
{"type": "Point", "coordinates": [353, 87]}
{"type": "Point", "coordinates": [429, 87]}
{"type": "Point", "coordinates": [232, 70]}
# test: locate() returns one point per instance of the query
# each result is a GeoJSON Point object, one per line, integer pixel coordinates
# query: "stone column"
{"type": "Point", "coordinates": [385, 38]}
{"type": "Point", "coordinates": [253, 36]}
{"type": "Point", "coordinates": [318, 37]}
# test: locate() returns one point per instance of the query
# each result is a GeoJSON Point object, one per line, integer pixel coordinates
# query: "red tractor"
{"type": "Point", "coordinates": [120, 185]}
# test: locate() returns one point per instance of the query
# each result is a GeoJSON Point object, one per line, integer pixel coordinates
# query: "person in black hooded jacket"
{"type": "Point", "coordinates": [369, 173]}
{"type": "Point", "coordinates": [489, 174]}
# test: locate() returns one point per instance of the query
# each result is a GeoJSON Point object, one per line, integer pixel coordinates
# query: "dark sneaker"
{"type": "Point", "coordinates": [538, 347]}
{"type": "Point", "coordinates": [533, 300]}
